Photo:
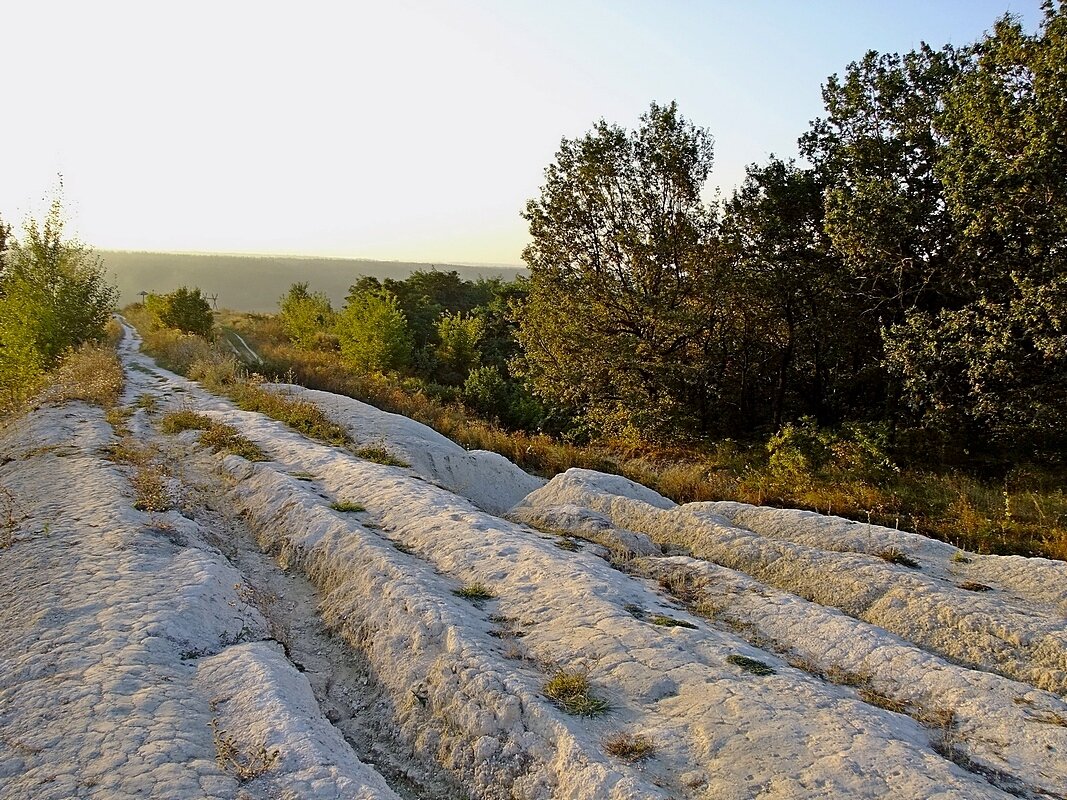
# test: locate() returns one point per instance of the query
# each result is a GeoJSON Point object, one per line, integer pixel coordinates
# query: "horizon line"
{"type": "Point", "coordinates": [225, 254]}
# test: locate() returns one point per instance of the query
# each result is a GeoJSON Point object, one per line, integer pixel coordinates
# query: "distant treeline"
{"type": "Point", "coordinates": [254, 283]}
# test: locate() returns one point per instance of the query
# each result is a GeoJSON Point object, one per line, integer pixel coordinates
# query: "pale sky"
{"type": "Point", "coordinates": [403, 129]}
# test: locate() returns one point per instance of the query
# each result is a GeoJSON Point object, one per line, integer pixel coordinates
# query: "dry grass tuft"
{"type": "Point", "coordinates": [150, 485]}
{"type": "Point", "coordinates": [184, 420]}
{"type": "Point", "coordinates": [227, 439]}
{"type": "Point", "coordinates": [883, 701]}
{"type": "Point", "coordinates": [245, 765]}
{"type": "Point", "coordinates": [91, 374]}
{"type": "Point", "coordinates": [629, 747]}
{"type": "Point", "coordinates": [9, 520]}
{"type": "Point", "coordinates": [379, 455]}
{"type": "Point", "coordinates": [894, 555]}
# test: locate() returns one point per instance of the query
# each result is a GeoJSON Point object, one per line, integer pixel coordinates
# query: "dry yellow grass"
{"type": "Point", "coordinates": [91, 374]}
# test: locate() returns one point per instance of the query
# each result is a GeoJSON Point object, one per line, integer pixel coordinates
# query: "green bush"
{"type": "Point", "coordinates": [492, 395]}
{"type": "Point", "coordinates": [798, 451]}
{"type": "Point", "coordinates": [373, 333]}
{"type": "Point", "coordinates": [307, 317]}
{"type": "Point", "coordinates": [53, 297]}
{"type": "Point", "coordinates": [802, 451]}
{"type": "Point", "coordinates": [184, 309]}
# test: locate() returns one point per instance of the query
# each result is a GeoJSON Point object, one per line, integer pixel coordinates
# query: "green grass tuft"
{"type": "Point", "coordinates": [572, 692]}
{"type": "Point", "coordinates": [670, 622]}
{"type": "Point", "coordinates": [475, 591]}
{"type": "Point", "coordinates": [347, 506]}
{"type": "Point", "coordinates": [379, 455]}
{"type": "Point", "coordinates": [751, 665]}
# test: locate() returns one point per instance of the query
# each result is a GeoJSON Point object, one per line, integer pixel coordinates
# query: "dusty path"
{"type": "Point", "coordinates": [374, 678]}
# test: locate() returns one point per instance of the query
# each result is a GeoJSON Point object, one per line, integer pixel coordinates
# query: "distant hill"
{"type": "Point", "coordinates": [254, 283]}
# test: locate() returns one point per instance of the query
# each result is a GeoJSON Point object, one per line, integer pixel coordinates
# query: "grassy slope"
{"type": "Point", "coordinates": [1025, 514]}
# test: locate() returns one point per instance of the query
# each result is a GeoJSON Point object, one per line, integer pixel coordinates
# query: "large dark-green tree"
{"type": "Point", "coordinates": [622, 293]}
{"type": "Point", "coordinates": [992, 365]}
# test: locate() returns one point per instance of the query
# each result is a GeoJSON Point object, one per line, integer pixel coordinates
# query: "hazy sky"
{"type": "Point", "coordinates": [399, 129]}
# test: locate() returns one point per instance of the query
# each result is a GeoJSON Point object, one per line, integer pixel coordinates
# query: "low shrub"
{"type": "Point", "coordinates": [92, 374]}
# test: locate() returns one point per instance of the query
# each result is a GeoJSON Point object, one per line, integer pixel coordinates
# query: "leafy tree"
{"type": "Point", "coordinates": [457, 353]}
{"type": "Point", "coordinates": [1003, 164]}
{"type": "Point", "coordinates": [489, 393]}
{"type": "Point", "coordinates": [499, 344]}
{"type": "Point", "coordinates": [307, 317]}
{"type": "Point", "coordinates": [877, 151]}
{"type": "Point", "coordinates": [53, 296]}
{"type": "Point", "coordinates": [989, 366]}
{"type": "Point", "coordinates": [622, 294]}
{"type": "Point", "coordinates": [373, 333]}
{"type": "Point", "coordinates": [805, 338]}
{"type": "Point", "coordinates": [991, 372]}
{"type": "Point", "coordinates": [184, 309]}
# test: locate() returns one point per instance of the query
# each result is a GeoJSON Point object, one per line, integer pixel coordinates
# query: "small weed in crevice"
{"type": "Point", "coordinates": [629, 747]}
{"type": "Point", "coordinates": [883, 701]}
{"type": "Point", "coordinates": [669, 622]}
{"type": "Point", "coordinates": [894, 555]}
{"type": "Point", "coordinates": [303, 476]}
{"type": "Point", "coordinates": [9, 521]}
{"type": "Point", "coordinates": [150, 486]}
{"type": "Point", "coordinates": [961, 558]}
{"type": "Point", "coordinates": [974, 586]}
{"type": "Point", "coordinates": [379, 455]}
{"type": "Point", "coordinates": [751, 665]}
{"type": "Point", "coordinates": [476, 592]}
{"type": "Point", "coordinates": [243, 765]}
{"type": "Point", "coordinates": [634, 610]}
{"type": "Point", "coordinates": [572, 693]}
{"type": "Point", "coordinates": [403, 548]}
{"type": "Point", "coordinates": [568, 544]}
{"type": "Point", "coordinates": [346, 506]}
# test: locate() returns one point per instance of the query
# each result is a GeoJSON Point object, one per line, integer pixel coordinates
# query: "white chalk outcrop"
{"type": "Point", "coordinates": [487, 479]}
{"type": "Point", "coordinates": [106, 613]}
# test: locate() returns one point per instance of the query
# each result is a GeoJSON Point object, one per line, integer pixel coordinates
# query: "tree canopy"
{"type": "Point", "coordinates": [622, 295]}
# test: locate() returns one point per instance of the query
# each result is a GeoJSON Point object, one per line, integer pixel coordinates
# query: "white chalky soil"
{"type": "Point", "coordinates": [328, 653]}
